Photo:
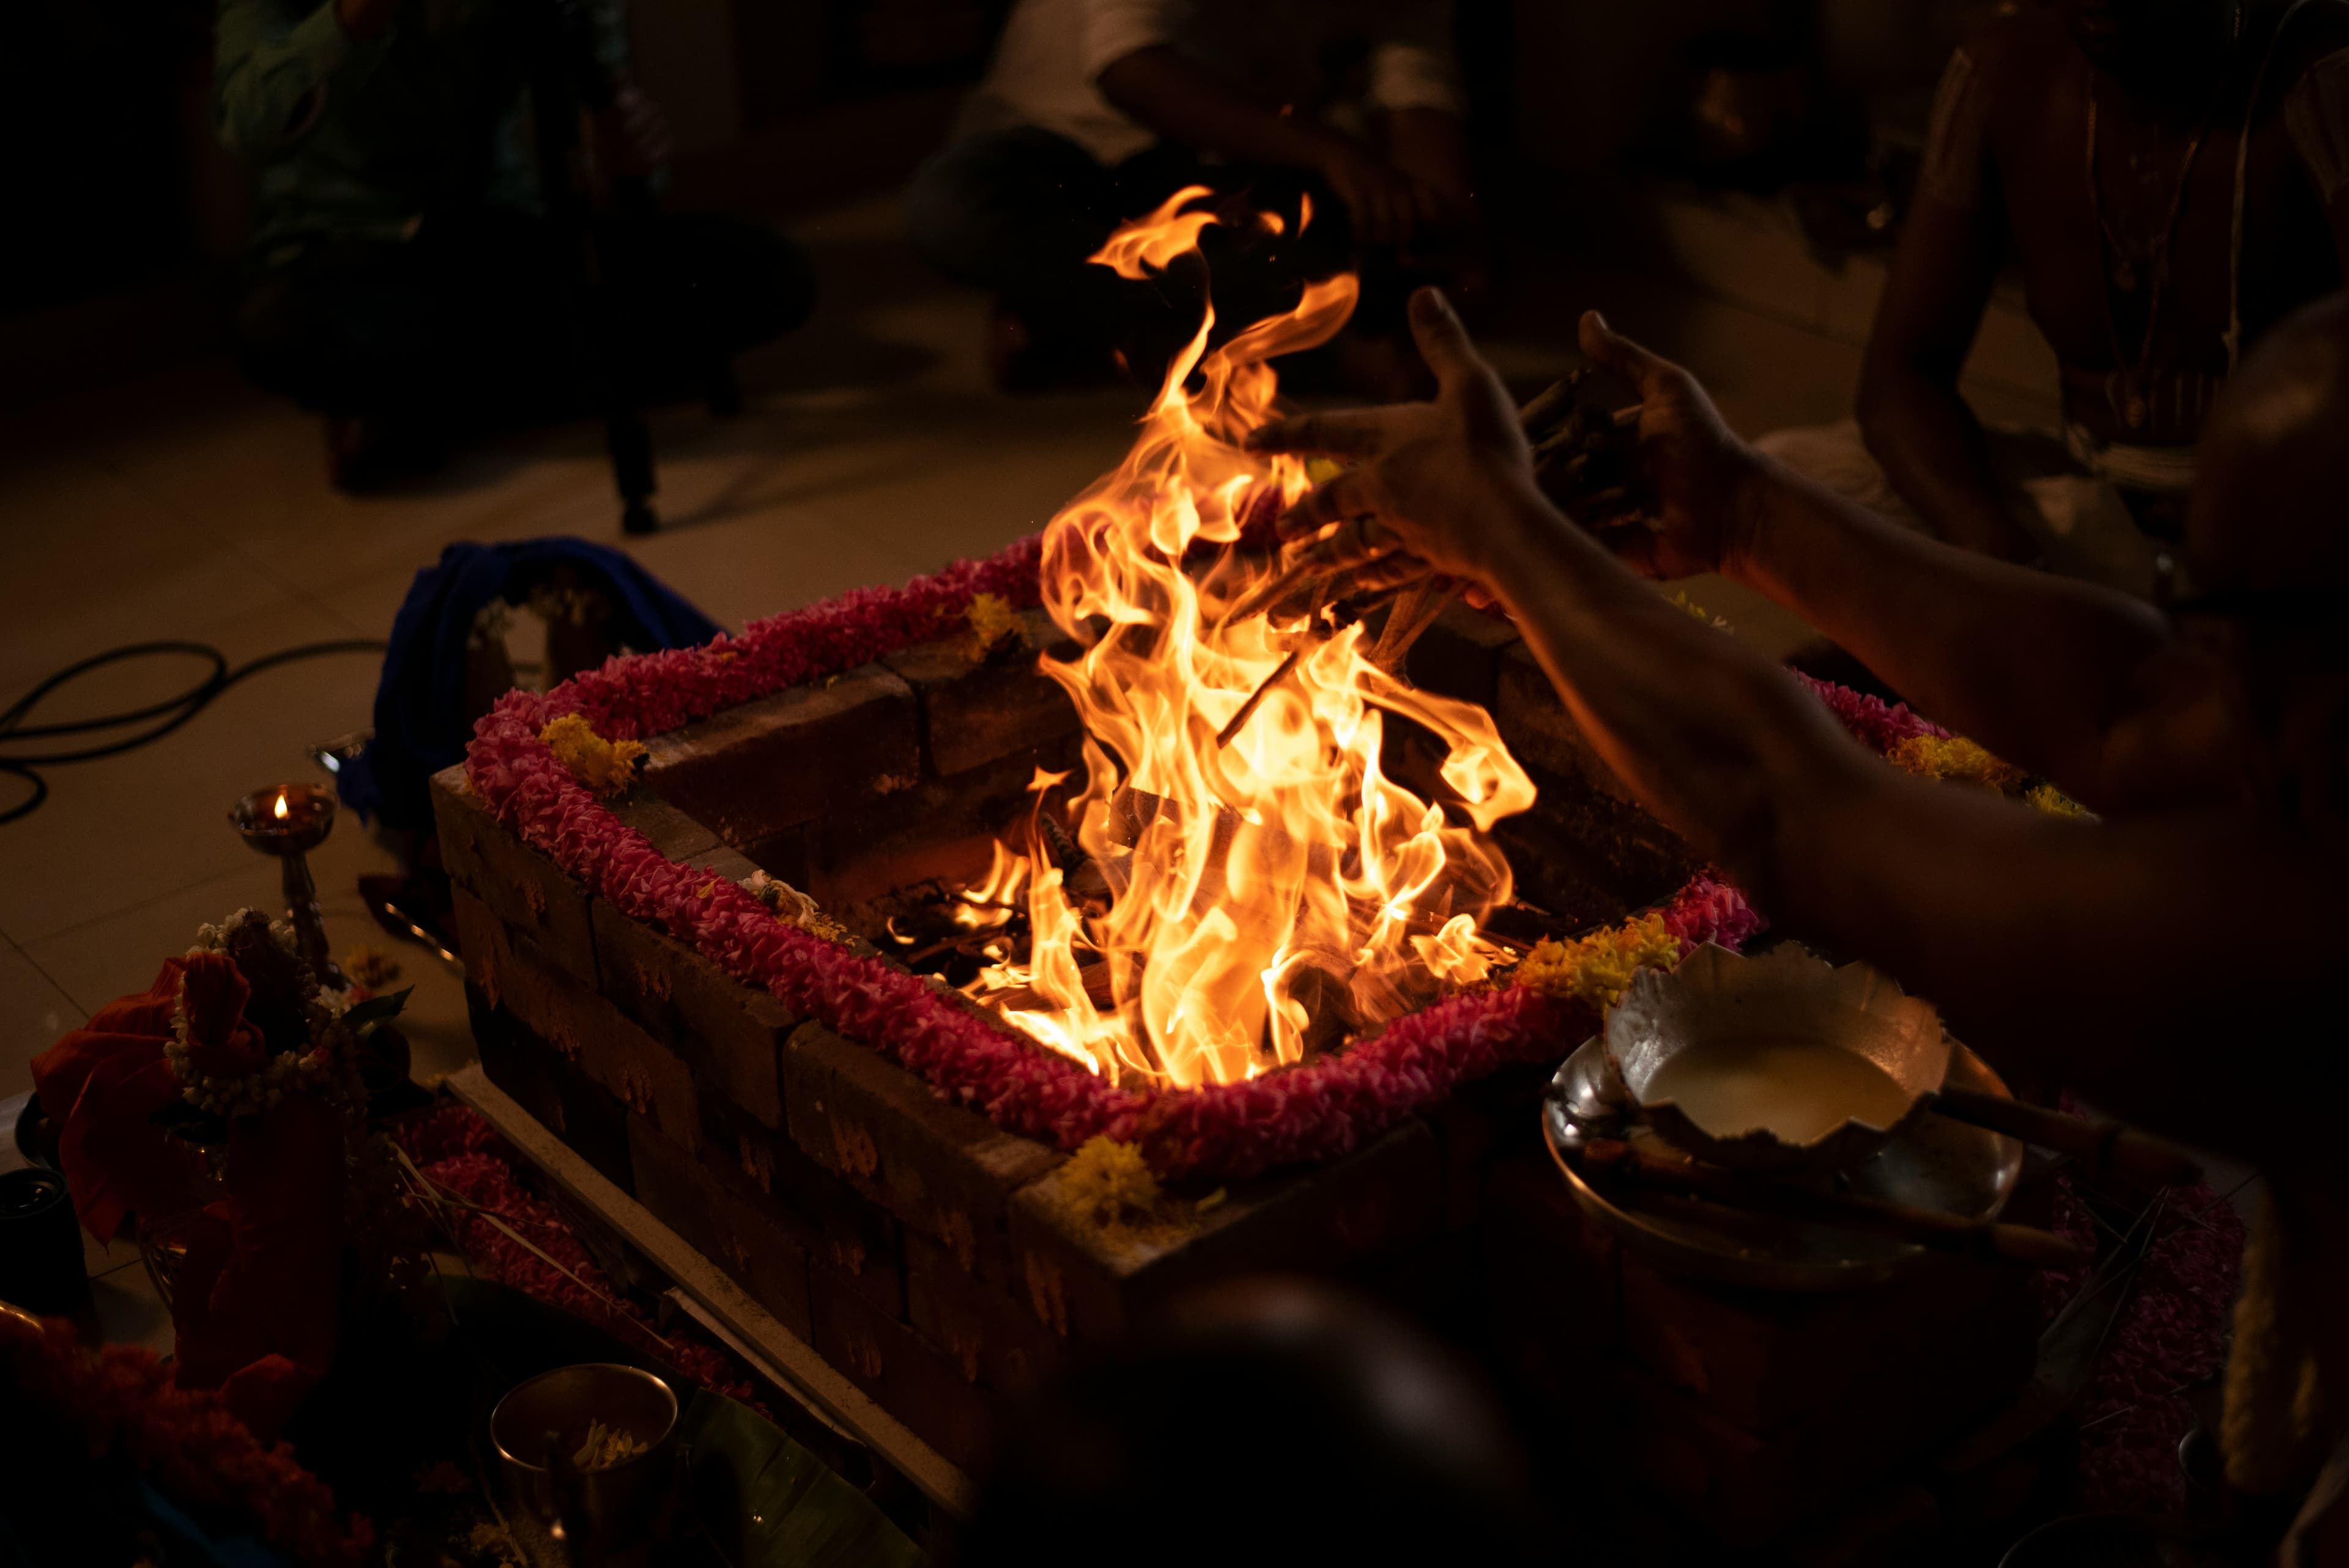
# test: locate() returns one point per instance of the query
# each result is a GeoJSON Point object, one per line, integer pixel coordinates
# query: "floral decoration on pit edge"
{"type": "Point", "coordinates": [1221, 1132]}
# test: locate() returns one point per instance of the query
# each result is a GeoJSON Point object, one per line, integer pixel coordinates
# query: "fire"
{"type": "Point", "coordinates": [1232, 903]}
{"type": "Point", "coordinates": [281, 806]}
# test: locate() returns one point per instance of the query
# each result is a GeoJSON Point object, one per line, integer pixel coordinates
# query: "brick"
{"type": "Point", "coordinates": [1460, 655]}
{"type": "Point", "coordinates": [581, 1027]}
{"type": "Point", "coordinates": [913, 1379]}
{"type": "Point", "coordinates": [1587, 857]}
{"type": "Point", "coordinates": [523, 887]}
{"type": "Point", "coordinates": [674, 834]}
{"type": "Point", "coordinates": [729, 1033]}
{"type": "Point", "coordinates": [988, 1333]}
{"type": "Point", "coordinates": [942, 828]}
{"type": "Point", "coordinates": [973, 715]}
{"type": "Point", "coordinates": [1095, 1285]}
{"type": "Point", "coordinates": [558, 1097]}
{"type": "Point", "coordinates": [755, 770]}
{"type": "Point", "coordinates": [944, 1171]}
{"type": "Point", "coordinates": [764, 1258]}
{"type": "Point", "coordinates": [1540, 732]}
{"type": "Point", "coordinates": [840, 1225]}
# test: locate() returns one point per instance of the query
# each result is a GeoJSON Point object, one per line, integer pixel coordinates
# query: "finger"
{"type": "Point", "coordinates": [1647, 371]}
{"type": "Point", "coordinates": [1399, 566]}
{"type": "Point", "coordinates": [1355, 432]}
{"type": "Point", "coordinates": [1442, 340]}
{"type": "Point", "coordinates": [1350, 498]}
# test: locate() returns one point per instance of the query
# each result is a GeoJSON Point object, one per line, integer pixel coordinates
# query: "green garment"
{"type": "Point", "coordinates": [364, 137]}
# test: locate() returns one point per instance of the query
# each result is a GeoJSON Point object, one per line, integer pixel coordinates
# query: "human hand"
{"type": "Point", "coordinates": [1387, 206]}
{"type": "Point", "coordinates": [1441, 481]}
{"type": "Point", "coordinates": [1696, 468]}
{"type": "Point", "coordinates": [632, 135]}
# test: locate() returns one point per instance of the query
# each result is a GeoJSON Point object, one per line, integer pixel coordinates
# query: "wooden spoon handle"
{"type": "Point", "coordinates": [2104, 1147]}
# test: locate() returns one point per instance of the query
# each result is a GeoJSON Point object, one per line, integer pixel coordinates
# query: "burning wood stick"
{"type": "Point", "coordinates": [1414, 611]}
{"type": "Point", "coordinates": [1575, 447]}
{"type": "Point", "coordinates": [1552, 401]}
{"type": "Point", "coordinates": [1239, 722]}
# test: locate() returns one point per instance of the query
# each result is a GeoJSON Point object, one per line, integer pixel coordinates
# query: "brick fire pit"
{"type": "Point", "coordinates": [923, 1251]}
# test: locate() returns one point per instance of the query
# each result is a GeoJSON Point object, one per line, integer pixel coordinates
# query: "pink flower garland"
{"type": "Point", "coordinates": [2170, 1335]}
{"type": "Point", "coordinates": [1219, 1132]}
{"type": "Point", "coordinates": [458, 1151]}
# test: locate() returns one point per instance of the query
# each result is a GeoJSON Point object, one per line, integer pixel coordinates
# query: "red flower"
{"type": "Point", "coordinates": [255, 1308]}
{"type": "Point", "coordinates": [212, 995]}
{"type": "Point", "coordinates": [103, 1086]}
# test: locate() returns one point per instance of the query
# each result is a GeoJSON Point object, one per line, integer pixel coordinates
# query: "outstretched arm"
{"type": "Point", "coordinates": [2108, 953]}
{"type": "Point", "coordinates": [1916, 425]}
{"type": "Point", "coordinates": [2064, 679]}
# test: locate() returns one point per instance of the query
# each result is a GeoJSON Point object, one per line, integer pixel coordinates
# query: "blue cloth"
{"type": "Point", "coordinates": [420, 726]}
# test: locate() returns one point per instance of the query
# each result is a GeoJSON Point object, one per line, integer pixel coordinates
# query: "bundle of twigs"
{"type": "Point", "coordinates": [1585, 459]}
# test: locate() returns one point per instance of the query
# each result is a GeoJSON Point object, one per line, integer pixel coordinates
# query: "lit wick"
{"type": "Point", "coordinates": [294, 821]}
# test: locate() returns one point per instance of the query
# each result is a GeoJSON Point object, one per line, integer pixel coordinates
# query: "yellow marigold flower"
{"type": "Point", "coordinates": [1108, 1183]}
{"type": "Point", "coordinates": [607, 767]}
{"type": "Point", "coordinates": [2054, 801]}
{"type": "Point", "coordinates": [795, 908]}
{"type": "Point", "coordinates": [1599, 967]}
{"type": "Point", "coordinates": [991, 619]}
{"type": "Point", "coordinates": [1956, 759]}
{"type": "Point", "coordinates": [1696, 611]}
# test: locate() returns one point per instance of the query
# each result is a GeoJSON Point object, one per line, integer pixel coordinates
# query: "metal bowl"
{"type": "Point", "coordinates": [1715, 999]}
{"type": "Point", "coordinates": [611, 1507]}
{"type": "Point", "coordinates": [1932, 1162]}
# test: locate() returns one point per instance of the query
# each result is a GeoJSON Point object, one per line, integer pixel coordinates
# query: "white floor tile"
{"type": "Point", "coordinates": [33, 1014]}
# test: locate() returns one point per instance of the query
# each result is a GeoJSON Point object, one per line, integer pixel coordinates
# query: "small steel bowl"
{"type": "Point", "coordinates": [1715, 996]}
{"type": "Point", "coordinates": [609, 1508]}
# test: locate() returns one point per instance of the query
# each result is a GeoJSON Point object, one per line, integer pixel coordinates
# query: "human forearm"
{"type": "Point", "coordinates": [2048, 665]}
{"type": "Point", "coordinates": [1716, 741]}
{"type": "Point", "coordinates": [1186, 103]}
{"type": "Point", "coordinates": [1932, 449]}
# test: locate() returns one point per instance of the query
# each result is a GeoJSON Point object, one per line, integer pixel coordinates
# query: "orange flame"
{"type": "Point", "coordinates": [1246, 895]}
{"type": "Point", "coordinates": [280, 805]}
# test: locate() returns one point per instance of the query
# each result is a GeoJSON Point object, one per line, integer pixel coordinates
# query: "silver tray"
{"type": "Point", "coordinates": [1931, 1161]}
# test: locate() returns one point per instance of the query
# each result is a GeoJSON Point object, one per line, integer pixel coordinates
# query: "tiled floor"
{"type": "Point", "coordinates": [186, 505]}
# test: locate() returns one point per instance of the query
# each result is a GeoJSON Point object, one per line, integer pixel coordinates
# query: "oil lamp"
{"type": "Point", "coordinates": [288, 821]}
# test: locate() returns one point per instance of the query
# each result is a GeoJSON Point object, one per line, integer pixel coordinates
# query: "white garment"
{"type": "Point", "coordinates": [1053, 52]}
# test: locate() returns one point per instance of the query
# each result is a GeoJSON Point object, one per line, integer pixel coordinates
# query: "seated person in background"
{"type": "Point", "coordinates": [2177, 961]}
{"type": "Point", "coordinates": [404, 278]}
{"type": "Point", "coordinates": [2171, 175]}
{"type": "Point", "coordinates": [1095, 111]}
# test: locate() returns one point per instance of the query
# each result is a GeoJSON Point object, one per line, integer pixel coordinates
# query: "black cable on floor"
{"type": "Point", "coordinates": [168, 714]}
